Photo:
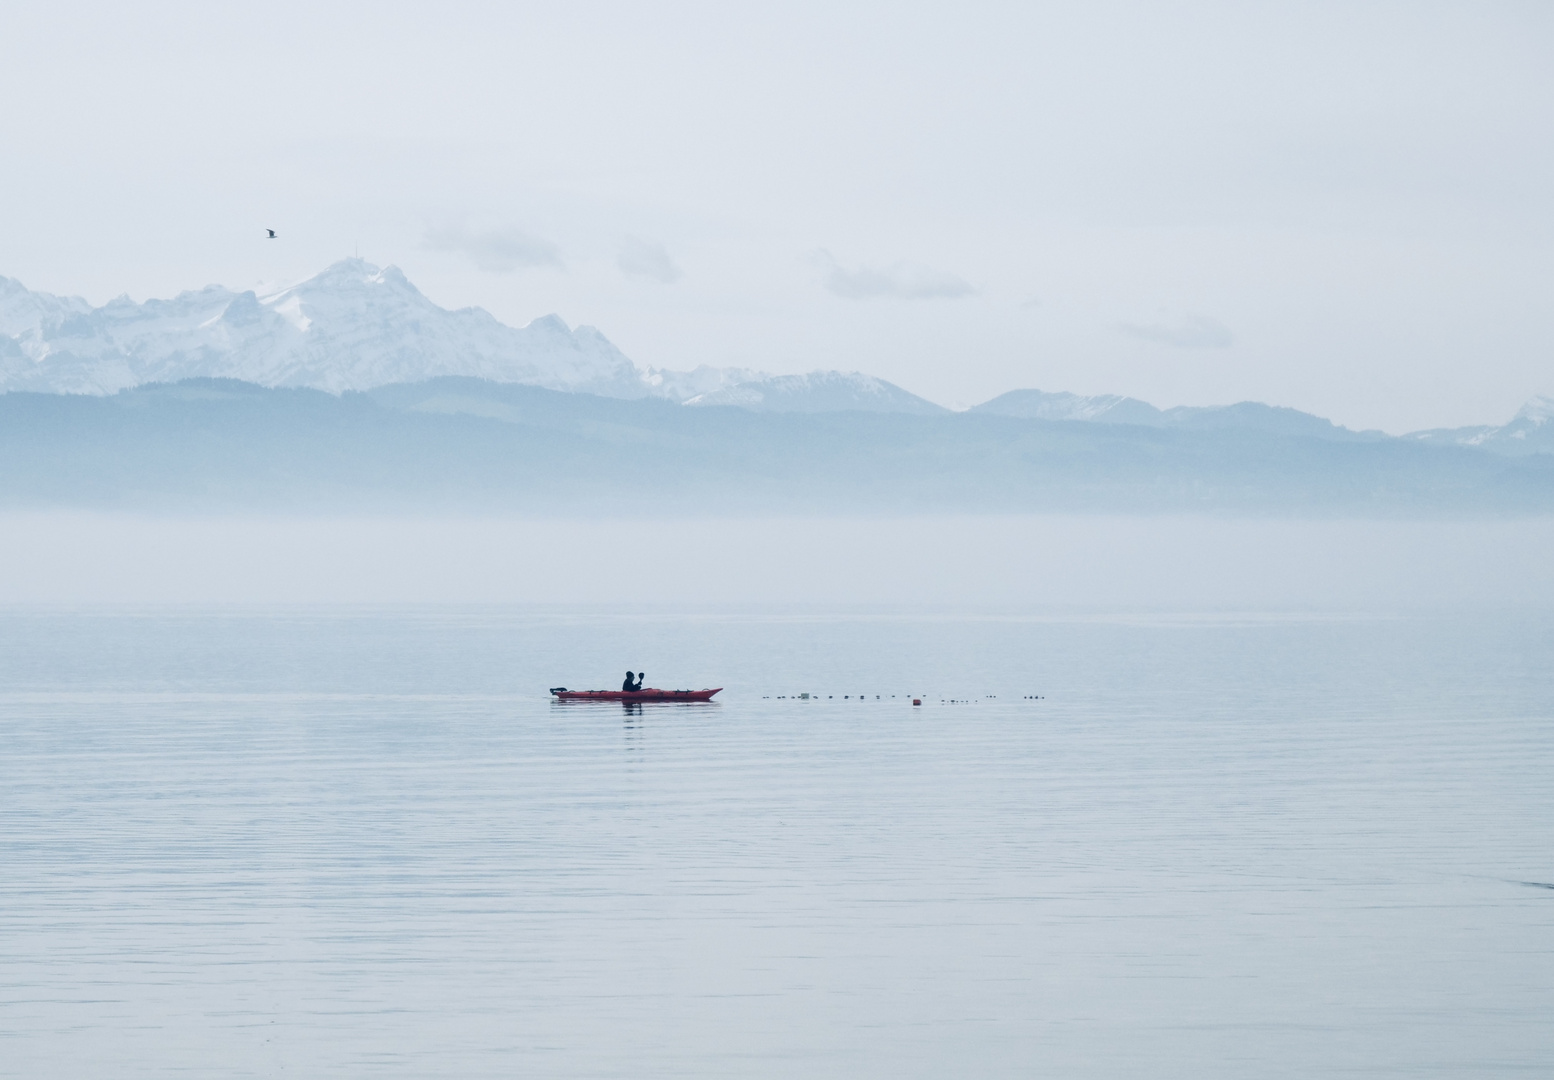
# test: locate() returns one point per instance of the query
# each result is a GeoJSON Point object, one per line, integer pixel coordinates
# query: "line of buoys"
{"type": "Point", "coordinates": [881, 697]}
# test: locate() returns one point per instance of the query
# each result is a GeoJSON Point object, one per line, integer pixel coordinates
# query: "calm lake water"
{"type": "Point", "coordinates": [359, 843]}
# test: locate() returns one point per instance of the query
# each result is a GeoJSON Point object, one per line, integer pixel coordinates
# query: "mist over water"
{"type": "Point", "coordinates": [959, 563]}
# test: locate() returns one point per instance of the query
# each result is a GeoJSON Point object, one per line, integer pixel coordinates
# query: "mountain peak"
{"type": "Point", "coordinates": [354, 267]}
{"type": "Point", "coordinates": [22, 310]}
{"type": "Point", "coordinates": [552, 324]}
{"type": "Point", "coordinates": [1539, 410]}
{"type": "Point", "coordinates": [350, 275]}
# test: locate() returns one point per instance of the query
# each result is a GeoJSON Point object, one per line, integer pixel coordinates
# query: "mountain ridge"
{"type": "Point", "coordinates": [355, 326]}
{"type": "Point", "coordinates": [1530, 431]}
{"type": "Point", "coordinates": [1114, 409]}
{"type": "Point", "coordinates": [350, 327]}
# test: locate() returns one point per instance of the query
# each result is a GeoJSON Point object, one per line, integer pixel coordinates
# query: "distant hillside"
{"type": "Point", "coordinates": [1040, 405]}
{"type": "Point", "coordinates": [820, 391]}
{"type": "Point", "coordinates": [1531, 431]}
{"type": "Point", "coordinates": [473, 445]}
{"type": "Point", "coordinates": [1111, 409]}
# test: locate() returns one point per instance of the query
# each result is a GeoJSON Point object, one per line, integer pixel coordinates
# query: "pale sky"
{"type": "Point", "coordinates": [1346, 207]}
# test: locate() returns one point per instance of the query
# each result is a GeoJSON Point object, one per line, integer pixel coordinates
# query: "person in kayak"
{"type": "Point", "coordinates": [630, 687]}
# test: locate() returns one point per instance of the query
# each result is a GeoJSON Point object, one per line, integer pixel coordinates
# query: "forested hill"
{"type": "Point", "coordinates": [466, 445]}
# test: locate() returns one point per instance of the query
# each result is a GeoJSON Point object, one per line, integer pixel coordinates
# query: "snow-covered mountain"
{"type": "Point", "coordinates": [1531, 431]}
{"type": "Point", "coordinates": [682, 386]}
{"type": "Point", "coordinates": [355, 327]}
{"type": "Point", "coordinates": [352, 327]}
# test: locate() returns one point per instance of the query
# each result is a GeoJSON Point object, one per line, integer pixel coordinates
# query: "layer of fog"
{"type": "Point", "coordinates": [1163, 563]}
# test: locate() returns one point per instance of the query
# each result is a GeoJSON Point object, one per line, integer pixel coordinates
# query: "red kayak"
{"type": "Point", "coordinates": [647, 694]}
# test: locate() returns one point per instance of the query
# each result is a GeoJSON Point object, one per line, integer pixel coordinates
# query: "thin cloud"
{"type": "Point", "coordinates": [1193, 332]}
{"type": "Point", "coordinates": [496, 251]}
{"type": "Point", "coordinates": [903, 281]}
{"type": "Point", "coordinates": [651, 262]}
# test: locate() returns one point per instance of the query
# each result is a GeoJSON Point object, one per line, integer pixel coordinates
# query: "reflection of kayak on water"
{"type": "Point", "coordinates": [647, 694]}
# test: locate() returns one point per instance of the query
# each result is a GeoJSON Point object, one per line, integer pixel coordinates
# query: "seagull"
{"type": "Point", "coordinates": [272, 234]}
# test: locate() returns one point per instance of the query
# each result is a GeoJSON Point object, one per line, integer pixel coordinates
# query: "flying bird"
{"type": "Point", "coordinates": [272, 234]}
